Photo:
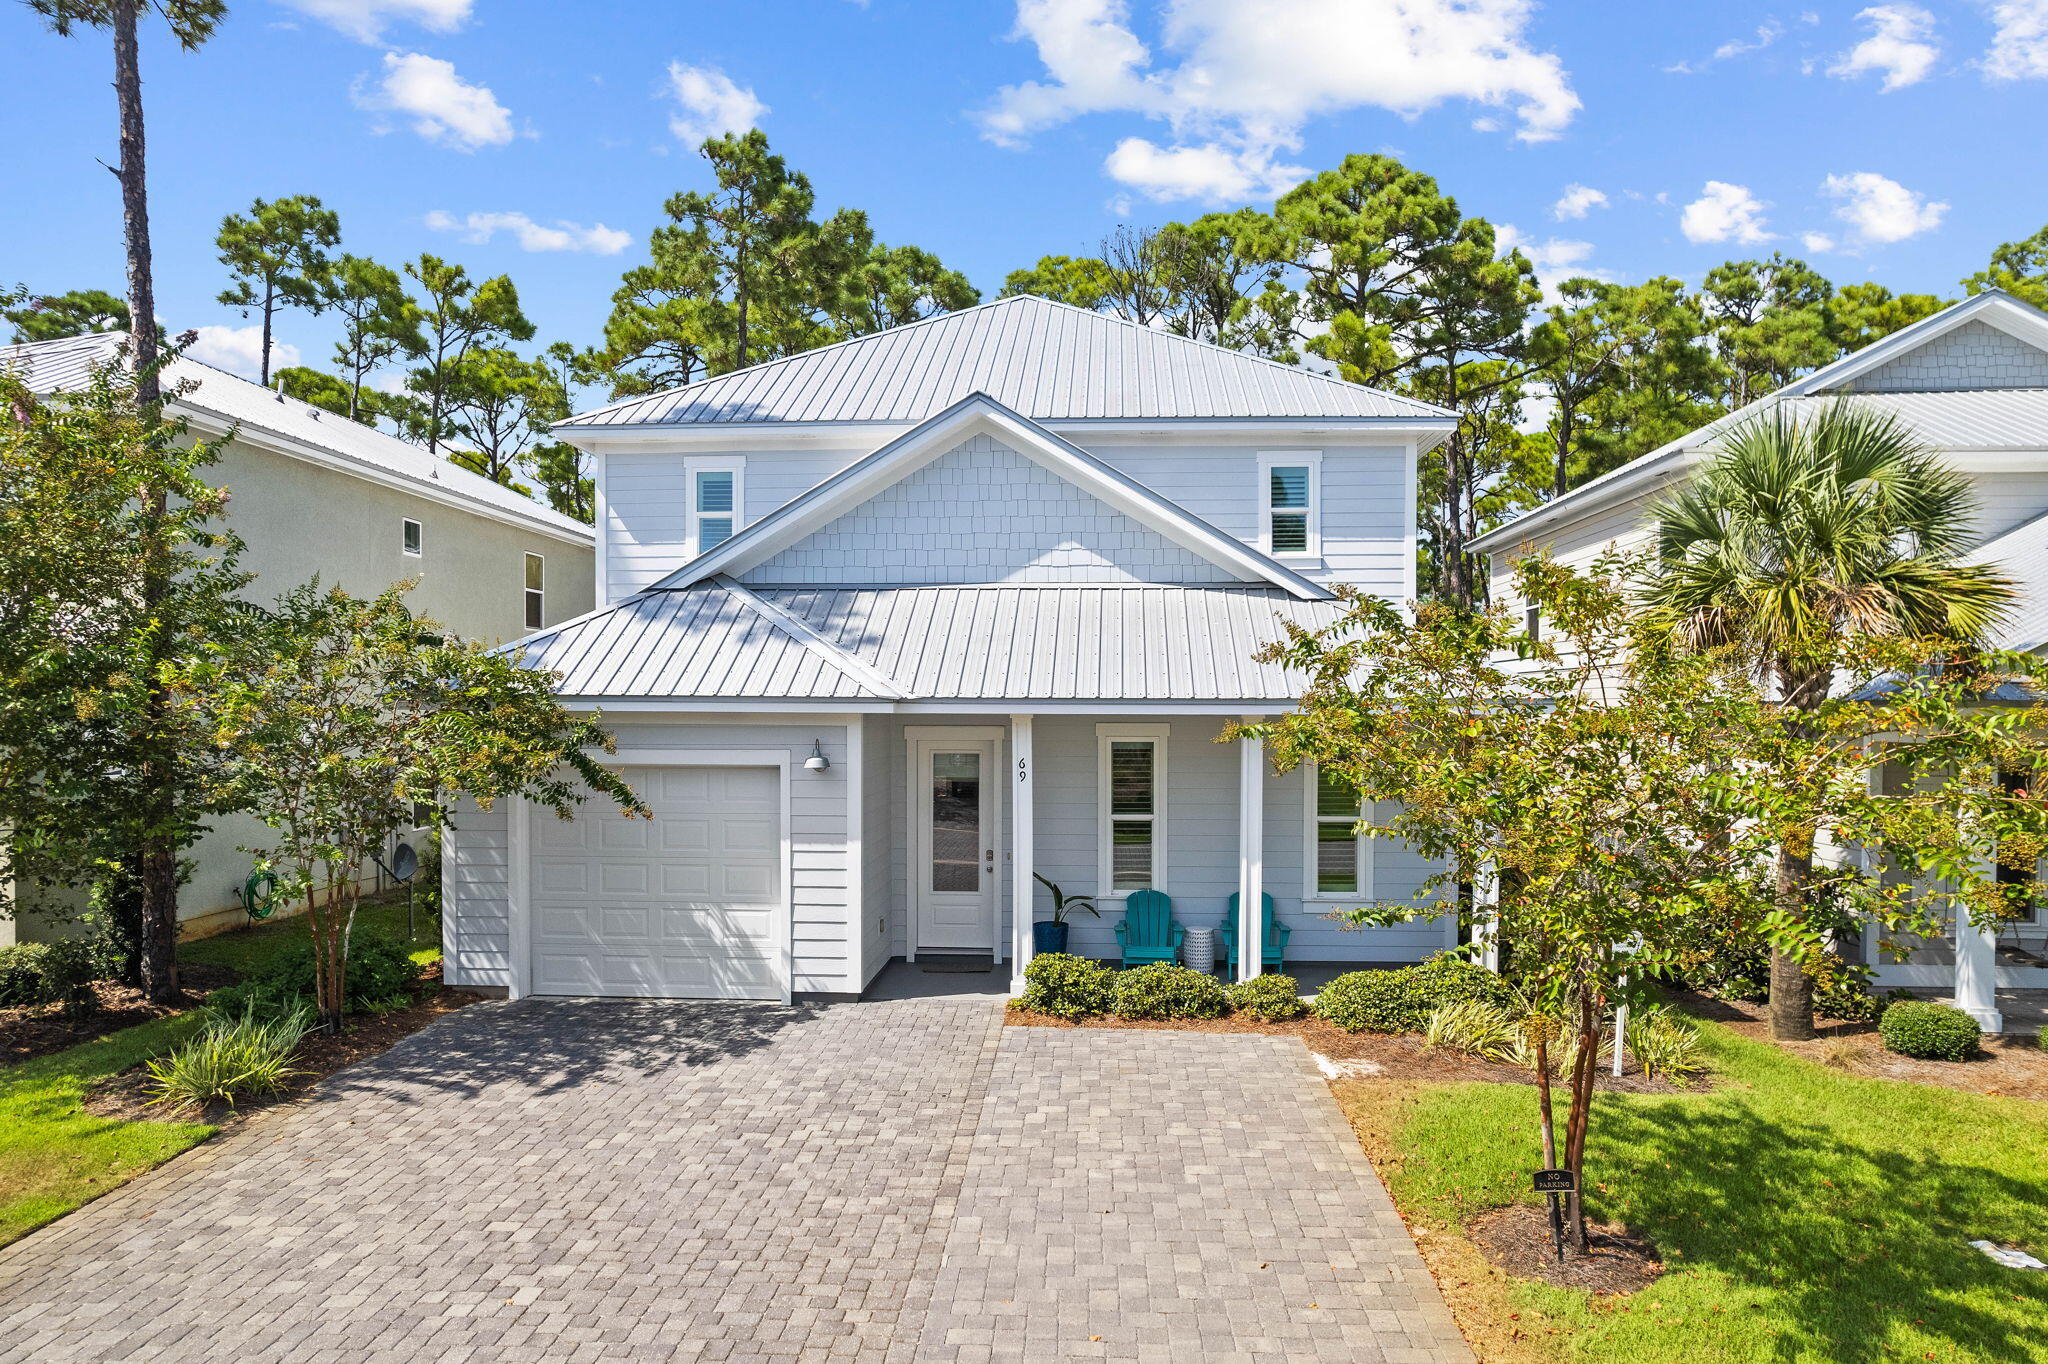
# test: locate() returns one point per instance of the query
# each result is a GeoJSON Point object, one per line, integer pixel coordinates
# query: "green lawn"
{"type": "Point", "coordinates": [247, 949]}
{"type": "Point", "coordinates": [53, 1156]}
{"type": "Point", "coordinates": [1804, 1214]}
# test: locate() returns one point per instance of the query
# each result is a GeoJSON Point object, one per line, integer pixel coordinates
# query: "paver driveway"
{"type": "Point", "coordinates": [571, 1180]}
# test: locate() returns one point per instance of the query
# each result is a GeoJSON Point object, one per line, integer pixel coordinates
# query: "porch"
{"type": "Point", "coordinates": [962, 814]}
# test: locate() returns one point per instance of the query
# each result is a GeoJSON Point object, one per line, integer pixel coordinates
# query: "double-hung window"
{"type": "Point", "coordinates": [716, 497]}
{"type": "Point", "coordinates": [1340, 857]}
{"type": "Point", "coordinates": [1290, 502]}
{"type": "Point", "coordinates": [536, 591]}
{"type": "Point", "coordinates": [1132, 806]}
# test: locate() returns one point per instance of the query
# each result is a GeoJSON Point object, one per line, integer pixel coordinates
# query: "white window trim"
{"type": "Point", "coordinates": [1105, 734]}
{"type": "Point", "coordinates": [1311, 865]}
{"type": "Point", "coordinates": [1312, 460]}
{"type": "Point", "coordinates": [419, 553]}
{"type": "Point", "coordinates": [527, 593]}
{"type": "Point", "coordinates": [736, 465]}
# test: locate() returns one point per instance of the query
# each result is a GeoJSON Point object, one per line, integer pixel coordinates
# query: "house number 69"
{"type": "Point", "coordinates": [1023, 773]}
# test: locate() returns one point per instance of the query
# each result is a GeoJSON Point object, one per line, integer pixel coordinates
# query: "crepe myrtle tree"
{"type": "Point", "coordinates": [1614, 802]}
{"type": "Point", "coordinates": [346, 712]}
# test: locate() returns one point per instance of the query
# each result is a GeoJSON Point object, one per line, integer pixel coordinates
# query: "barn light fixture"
{"type": "Point", "coordinates": [817, 762]}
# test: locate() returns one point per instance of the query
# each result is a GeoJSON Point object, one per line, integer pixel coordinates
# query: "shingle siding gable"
{"type": "Point", "coordinates": [983, 513]}
{"type": "Point", "coordinates": [1974, 355]}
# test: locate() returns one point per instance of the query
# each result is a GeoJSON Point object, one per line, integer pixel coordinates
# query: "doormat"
{"type": "Point", "coordinates": [954, 968]}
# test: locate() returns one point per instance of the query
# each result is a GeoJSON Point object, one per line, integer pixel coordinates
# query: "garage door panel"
{"type": "Point", "coordinates": [685, 904]}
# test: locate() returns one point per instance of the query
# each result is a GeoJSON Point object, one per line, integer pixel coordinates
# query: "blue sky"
{"type": "Point", "coordinates": [1898, 142]}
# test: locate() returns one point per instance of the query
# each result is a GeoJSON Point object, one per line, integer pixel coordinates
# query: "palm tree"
{"type": "Point", "coordinates": [1801, 533]}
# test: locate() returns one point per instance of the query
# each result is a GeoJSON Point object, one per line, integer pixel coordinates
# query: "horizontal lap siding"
{"type": "Point", "coordinates": [476, 936]}
{"type": "Point", "coordinates": [1364, 512]}
{"type": "Point", "coordinates": [647, 522]}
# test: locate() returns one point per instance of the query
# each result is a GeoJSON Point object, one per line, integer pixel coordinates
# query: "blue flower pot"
{"type": "Point", "coordinates": [1048, 937]}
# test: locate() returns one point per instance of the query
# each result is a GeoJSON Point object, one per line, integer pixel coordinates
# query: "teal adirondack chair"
{"type": "Point", "coordinates": [1273, 935]}
{"type": "Point", "coordinates": [1149, 931]}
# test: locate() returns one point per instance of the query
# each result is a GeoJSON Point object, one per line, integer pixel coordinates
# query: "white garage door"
{"type": "Point", "coordinates": [686, 905]}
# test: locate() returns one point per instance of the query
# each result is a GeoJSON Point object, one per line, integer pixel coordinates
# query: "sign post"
{"type": "Point", "coordinates": [1556, 1183]}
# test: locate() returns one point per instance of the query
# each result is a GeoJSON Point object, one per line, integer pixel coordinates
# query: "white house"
{"type": "Point", "coordinates": [1972, 382]}
{"type": "Point", "coordinates": [888, 627]}
{"type": "Point", "coordinates": [312, 493]}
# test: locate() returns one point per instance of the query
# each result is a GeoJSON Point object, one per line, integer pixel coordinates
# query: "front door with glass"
{"type": "Point", "coordinates": [953, 852]}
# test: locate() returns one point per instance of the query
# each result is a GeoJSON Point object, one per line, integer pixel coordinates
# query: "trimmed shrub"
{"type": "Point", "coordinates": [1403, 1000]}
{"type": "Point", "coordinates": [51, 973]}
{"type": "Point", "coordinates": [380, 976]}
{"type": "Point", "coordinates": [1928, 1031]}
{"type": "Point", "coordinates": [1267, 999]}
{"type": "Point", "coordinates": [233, 1058]}
{"type": "Point", "coordinates": [1065, 986]}
{"type": "Point", "coordinates": [1163, 990]}
{"type": "Point", "coordinates": [23, 981]}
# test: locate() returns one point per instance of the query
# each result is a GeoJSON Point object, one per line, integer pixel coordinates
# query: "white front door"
{"type": "Point", "coordinates": [953, 844]}
{"type": "Point", "coordinates": [682, 905]}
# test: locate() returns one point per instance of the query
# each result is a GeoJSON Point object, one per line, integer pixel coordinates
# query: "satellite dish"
{"type": "Point", "coordinates": [404, 863]}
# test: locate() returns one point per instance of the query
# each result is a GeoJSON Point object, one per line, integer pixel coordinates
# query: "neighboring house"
{"type": "Point", "coordinates": [316, 494]}
{"type": "Point", "coordinates": [1972, 382]}
{"type": "Point", "coordinates": [888, 627]}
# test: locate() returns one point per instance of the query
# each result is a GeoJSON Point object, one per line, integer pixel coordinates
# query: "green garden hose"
{"type": "Point", "coordinates": [259, 894]}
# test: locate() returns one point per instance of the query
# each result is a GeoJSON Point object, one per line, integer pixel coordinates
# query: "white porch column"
{"type": "Point", "coordinates": [1022, 888]}
{"type": "Point", "coordinates": [1486, 923]}
{"type": "Point", "coordinates": [1251, 860]}
{"type": "Point", "coordinates": [1977, 973]}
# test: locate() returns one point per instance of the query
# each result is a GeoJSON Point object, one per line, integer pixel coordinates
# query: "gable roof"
{"type": "Point", "coordinates": [2022, 554]}
{"type": "Point", "coordinates": [1049, 361]}
{"type": "Point", "coordinates": [216, 399]}
{"type": "Point", "coordinates": [1073, 644]}
{"type": "Point", "coordinates": [975, 414]}
{"type": "Point", "coordinates": [1955, 419]}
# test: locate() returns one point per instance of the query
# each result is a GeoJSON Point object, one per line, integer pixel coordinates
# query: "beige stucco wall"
{"type": "Point", "coordinates": [300, 519]}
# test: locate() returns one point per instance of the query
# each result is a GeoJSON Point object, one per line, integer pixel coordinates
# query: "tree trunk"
{"type": "Point", "coordinates": [1791, 987]}
{"type": "Point", "coordinates": [269, 310]}
{"type": "Point", "coordinates": [1585, 1065]}
{"type": "Point", "coordinates": [135, 200]}
{"type": "Point", "coordinates": [158, 854]}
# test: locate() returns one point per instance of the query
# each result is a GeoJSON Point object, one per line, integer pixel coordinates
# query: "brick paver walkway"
{"type": "Point", "coordinates": [902, 1181]}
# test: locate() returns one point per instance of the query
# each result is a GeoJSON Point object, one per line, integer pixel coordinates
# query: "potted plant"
{"type": "Point", "coordinates": [1051, 936]}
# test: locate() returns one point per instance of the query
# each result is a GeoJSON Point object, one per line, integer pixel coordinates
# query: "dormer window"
{"type": "Point", "coordinates": [1290, 503]}
{"type": "Point", "coordinates": [715, 501]}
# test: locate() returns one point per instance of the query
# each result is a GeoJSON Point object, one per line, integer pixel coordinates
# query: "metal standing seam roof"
{"type": "Point", "coordinates": [1049, 361]}
{"type": "Point", "coordinates": [67, 366]}
{"type": "Point", "coordinates": [2022, 554]}
{"type": "Point", "coordinates": [1066, 643]}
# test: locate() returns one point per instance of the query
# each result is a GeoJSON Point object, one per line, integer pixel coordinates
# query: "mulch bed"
{"type": "Point", "coordinates": [125, 1096]}
{"type": "Point", "coordinates": [1372, 1056]}
{"type": "Point", "coordinates": [39, 1030]}
{"type": "Point", "coordinates": [2008, 1067]}
{"type": "Point", "coordinates": [1517, 1241]}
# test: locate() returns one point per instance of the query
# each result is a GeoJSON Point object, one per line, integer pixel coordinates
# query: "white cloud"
{"type": "Point", "coordinates": [239, 350]}
{"type": "Point", "coordinates": [709, 103]}
{"type": "Point", "coordinates": [442, 107]}
{"type": "Point", "coordinates": [1211, 171]}
{"type": "Point", "coordinates": [1556, 259]}
{"type": "Point", "coordinates": [2019, 43]}
{"type": "Point", "coordinates": [364, 20]}
{"type": "Point", "coordinates": [560, 235]}
{"type": "Point", "coordinates": [1766, 34]}
{"type": "Point", "coordinates": [1901, 45]}
{"type": "Point", "coordinates": [1724, 212]}
{"type": "Point", "coordinates": [1881, 210]}
{"type": "Point", "coordinates": [1817, 241]}
{"type": "Point", "coordinates": [1236, 80]}
{"type": "Point", "coordinates": [1576, 202]}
